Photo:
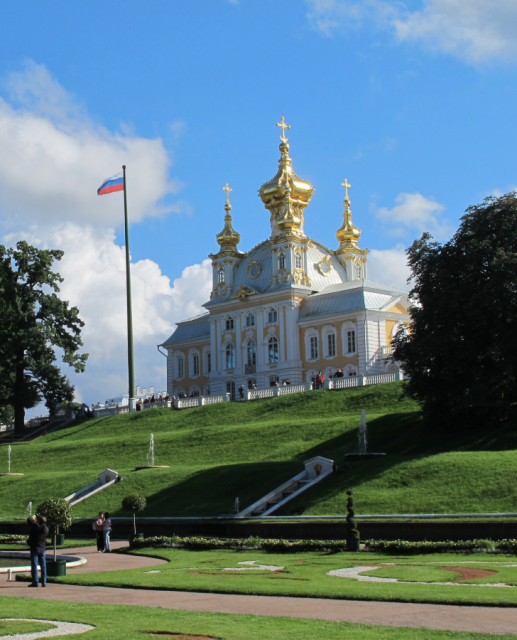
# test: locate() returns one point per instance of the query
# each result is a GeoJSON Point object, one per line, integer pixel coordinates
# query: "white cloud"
{"type": "Point", "coordinates": [389, 266]}
{"type": "Point", "coordinates": [52, 162]}
{"type": "Point", "coordinates": [93, 269]}
{"type": "Point", "coordinates": [476, 31]}
{"type": "Point", "coordinates": [414, 212]}
{"type": "Point", "coordinates": [54, 158]}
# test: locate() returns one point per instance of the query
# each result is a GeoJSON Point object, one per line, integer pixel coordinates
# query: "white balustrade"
{"type": "Point", "coordinates": [379, 378]}
{"type": "Point", "coordinates": [258, 394]}
{"type": "Point", "coordinates": [291, 388]}
{"type": "Point", "coordinates": [103, 412]}
{"type": "Point", "coordinates": [346, 382]}
{"type": "Point", "coordinates": [215, 399]}
{"type": "Point", "coordinates": [387, 350]}
{"type": "Point", "coordinates": [158, 403]}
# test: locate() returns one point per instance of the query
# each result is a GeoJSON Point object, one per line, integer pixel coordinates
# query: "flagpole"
{"type": "Point", "coordinates": [130, 358]}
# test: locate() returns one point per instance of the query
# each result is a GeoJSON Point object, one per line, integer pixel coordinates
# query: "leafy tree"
{"type": "Point", "coordinates": [133, 503]}
{"type": "Point", "coordinates": [461, 348]}
{"type": "Point", "coordinates": [6, 414]}
{"type": "Point", "coordinates": [352, 532]}
{"type": "Point", "coordinates": [58, 513]}
{"type": "Point", "coordinates": [34, 323]}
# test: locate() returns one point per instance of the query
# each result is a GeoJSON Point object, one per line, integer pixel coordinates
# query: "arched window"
{"type": "Point", "coordinates": [220, 275]}
{"type": "Point", "coordinates": [358, 271]}
{"type": "Point", "coordinates": [272, 316]}
{"type": "Point", "coordinates": [252, 352]}
{"type": "Point", "coordinates": [298, 260]}
{"type": "Point", "coordinates": [230, 356]}
{"type": "Point", "coordinates": [273, 349]}
{"type": "Point", "coordinates": [281, 261]}
{"type": "Point", "coordinates": [229, 324]}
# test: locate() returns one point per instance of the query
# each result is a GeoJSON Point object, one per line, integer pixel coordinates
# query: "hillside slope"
{"type": "Point", "coordinates": [219, 452]}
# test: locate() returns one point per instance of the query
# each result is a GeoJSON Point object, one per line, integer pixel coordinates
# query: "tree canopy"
{"type": "Point", "coordinates": [35, 323]}
{"type": "Point", "coordinates": [461, 347]}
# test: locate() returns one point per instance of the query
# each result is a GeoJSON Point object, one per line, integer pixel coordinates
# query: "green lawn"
{"type": "Point", "coordinates": [305, 574]}
{"type": "Point", "coordinates": [128, 623]}
{"type": "Point", "coordinates": [218, 452]}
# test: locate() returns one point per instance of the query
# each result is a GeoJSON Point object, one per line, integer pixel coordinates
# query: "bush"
{"type": "Point", "coordinates": [58, 513]}
{"type": "Point", "coordinates": [403, 546]}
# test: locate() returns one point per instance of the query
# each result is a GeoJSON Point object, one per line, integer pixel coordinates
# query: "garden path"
{"type": "Point", "coordinates": [497, 620]}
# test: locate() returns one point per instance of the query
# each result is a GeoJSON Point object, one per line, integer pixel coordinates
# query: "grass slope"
{"type": "Point", "coordinates": [222, 451]}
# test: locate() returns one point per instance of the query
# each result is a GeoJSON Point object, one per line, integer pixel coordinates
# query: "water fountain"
{"type": "Point", "coordinates": [9, 459]}
{"type": "Point", "coordinates": [150, 458]}
{"type": "Point", "coordinates": [362, 442]}
{"type": "Point", "coordinates": [150, 455]}
{"type": "Point", "coordinates": [29, 509]}
{"type": "Point", "coordinates": [237, 505]}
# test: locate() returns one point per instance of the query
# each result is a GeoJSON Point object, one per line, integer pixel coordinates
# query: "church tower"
{"type": "Point", "coordinates": [349, 255]}
{"type": "Point", "coordinates": [229, 257]}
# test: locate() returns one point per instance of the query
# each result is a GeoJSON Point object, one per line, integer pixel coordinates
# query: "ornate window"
{"type": "Point", "coordinates": [273, 350]}
{"type": "Point", "coordinates": [250, 320]}
{"type": "Point", "coordinates": [208, 364]}
{"type": "Point", "coordinates": [195, 364]}
{"type": "Point", "coordinates": [252, 383]}
{"type": "Point", "coordinates": [358, 270]}
{"type": "Point", "coordinates": [331, 345]}
{"type": "Point", "coordinates": [180, 364]}
{"type": "Point", "coordinates": [220, 275]}
{"type": "Point", "coordinates": [229, 324]}
{"type": "Point", "coordinates": [206, 390]}
{"type": "Point", "coordinates": [314, 347]}
{"type": "Point", "coordinates": [272, 316]}
{"type": "Point", "coordinates": [230, 356]}
{"type": "Point", "coordinates": [350, 370]}
{"type": "Point", "coordinates": [298, 260]}
{"type": "Point", "coordinates": [252, 352]}
{"type": "Point", "coordinates": [281, 261]}
{"type": "Point", "coordinates": [273, 380]}
{"type": "Point", "coordinates": [350, 338]}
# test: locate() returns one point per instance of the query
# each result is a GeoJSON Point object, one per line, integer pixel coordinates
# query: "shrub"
{"type": "Point", "coordinates": [58, 513]}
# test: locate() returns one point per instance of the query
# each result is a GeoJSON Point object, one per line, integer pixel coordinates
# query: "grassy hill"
{"type": "Point", "coordinates": [222, 451]}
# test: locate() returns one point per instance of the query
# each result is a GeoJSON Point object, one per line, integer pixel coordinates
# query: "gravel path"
{"type": "Point", "coordinates": [497, 620]}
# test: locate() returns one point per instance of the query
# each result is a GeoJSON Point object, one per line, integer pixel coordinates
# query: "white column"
{"type": "Point", "coordinates": [362, 347]}
{"type": "Point", "coordinates": [260, 338]}
{"type": "Point", "coordinates": [281, 350]}
{"type": "Point", "coordinates": [213, 347]}
{"type": "Point", "coordinates": [292, 334]}
{"type": "Point", "coordinates": [238, 350]}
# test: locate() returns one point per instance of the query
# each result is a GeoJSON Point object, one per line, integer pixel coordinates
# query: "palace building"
{"type": "Point", "coordinates": [288, 308]}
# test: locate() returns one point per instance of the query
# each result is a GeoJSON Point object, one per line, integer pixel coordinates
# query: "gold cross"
{"type": "Point", "coordinates": [227, 189]}
{"type": "Point", "coordinates": [284, 127]}
{"type": "Point", "coordinates": [346, 184]}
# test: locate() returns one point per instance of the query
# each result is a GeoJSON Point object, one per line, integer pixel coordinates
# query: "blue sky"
{"type": "Point", "coordinates": [414, 103]}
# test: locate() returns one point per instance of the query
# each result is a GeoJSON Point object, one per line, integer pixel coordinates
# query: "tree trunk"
{"type": "Point", "coordinates": [55, 543]}
{"type": "Point", "coordinates": [19, 418]}
{"type": "Point", "coordinates": [134, 521]}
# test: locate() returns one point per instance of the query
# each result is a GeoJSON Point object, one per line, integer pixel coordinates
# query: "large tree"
{"type": "Point", "coordinates": [461, 348]}
{"type": "Point", "coordinates": [34, 324]}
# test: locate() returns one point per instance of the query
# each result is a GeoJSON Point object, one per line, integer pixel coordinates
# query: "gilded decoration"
{"type": "Point", "coordinates": [228, 238]}
{"type": "Point", "coordinates": [286, 195]}
{"type": "Point", "coordinates": [324, 266]}
{"type": "Point", "coordinates": [243, 293]}
{"type": "Point", "coordinates": [254, 270]}
{"type": "Point", "coordinates": [348, 235]}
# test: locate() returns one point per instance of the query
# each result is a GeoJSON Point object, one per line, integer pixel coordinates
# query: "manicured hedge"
{"type": "Point", "coordinates": [448, 546]}
{"type": "Point", "coordinates": [293, 546]}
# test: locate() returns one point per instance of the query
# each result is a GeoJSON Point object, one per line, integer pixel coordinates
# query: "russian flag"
{"type": "Point", "coordinates": [115, 183]}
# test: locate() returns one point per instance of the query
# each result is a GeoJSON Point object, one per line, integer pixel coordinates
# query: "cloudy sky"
{"type": "Point", "coordinates": [414, 103]}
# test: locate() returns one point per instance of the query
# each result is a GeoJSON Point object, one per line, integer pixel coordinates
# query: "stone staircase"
{"type": "Point", "coordinates": [107, 478]}
{"type": "Point", "coordinates": [316, 470]}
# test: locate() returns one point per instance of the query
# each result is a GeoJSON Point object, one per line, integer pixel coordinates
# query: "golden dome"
{"type": "Point", "coordinates": [228, 237]}
{"type": "Point", "coordinates": [286, 195]}
{"type": "Point", "coordinates": [347, 234]}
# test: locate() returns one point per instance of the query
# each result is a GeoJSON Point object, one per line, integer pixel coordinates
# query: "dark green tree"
{"type": "Point", "coordinates": [461, 347]}
{"type": "Point", "coordinates": [35, 324]}
{"type": "Point", "coordinates": [58, 513]}
{"type": "Point", "coordinates": [352, 532]}
{"type": "Point", "coordinates": [133, 503]}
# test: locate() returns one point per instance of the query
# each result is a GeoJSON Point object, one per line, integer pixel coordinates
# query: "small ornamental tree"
{"type": "Point", "coordinates": [133, 503]}
{"type": "Point", "coordinates": [352, 532]}
{"type": "Point", "coordinates": [58, 513]}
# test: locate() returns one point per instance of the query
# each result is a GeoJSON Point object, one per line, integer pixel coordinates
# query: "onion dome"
{"type": "Point", "coordinates": [228, 238]}
{"type": "Point", "coordinates": [286, 195]}
{"type": "Point", "coordinates": [347, 234]}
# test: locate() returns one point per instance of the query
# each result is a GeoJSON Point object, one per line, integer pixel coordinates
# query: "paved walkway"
{"type": "Point", "coordinates": [497, 620]}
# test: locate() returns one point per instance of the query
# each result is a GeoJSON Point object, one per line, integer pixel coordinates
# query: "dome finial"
{"type": "Point", "coordinates": [228, 238]}
{"type": "Point", "coordinates": [347, 234]}
{"type": "Point", "coordinates": [284, 126]}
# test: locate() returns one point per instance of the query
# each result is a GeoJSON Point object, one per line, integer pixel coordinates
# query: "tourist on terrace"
{"type": "Point", "coordinates": [37, 542]}
{"type": "Point", "coordinates": [106, 529]}
{"type": "Point", "coordinates": [98, 528]}
{"type": "Point", "coordinates": [320, 378]}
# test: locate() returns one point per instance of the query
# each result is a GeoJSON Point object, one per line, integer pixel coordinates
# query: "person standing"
{"type": "Point", "coordinates": [37, 542]}
{"type": "Point", "coordinates": [106, 529]}
{"type": "Point", "coordinates": [98, 528]}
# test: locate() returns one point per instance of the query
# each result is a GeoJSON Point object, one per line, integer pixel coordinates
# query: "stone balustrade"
{"type": "Point", "coordinates": [158, 403]}
{"type": "Point", "coordinates": [105, 412]}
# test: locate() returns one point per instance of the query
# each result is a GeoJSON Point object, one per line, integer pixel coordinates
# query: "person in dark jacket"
{"type": "Point", "coordinates": [37, 542]}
